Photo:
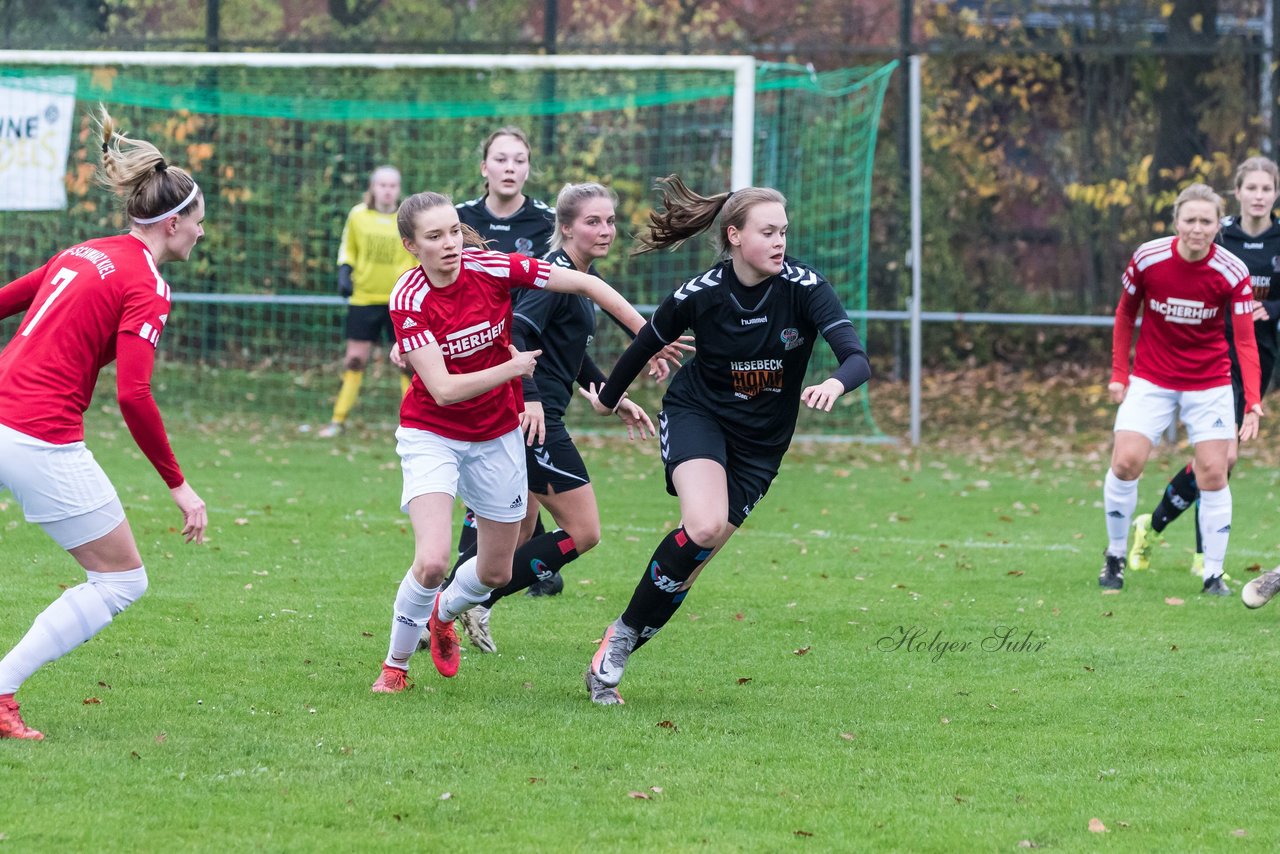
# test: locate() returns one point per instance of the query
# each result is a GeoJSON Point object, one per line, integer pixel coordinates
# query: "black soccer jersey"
{"type": "Point", "coordinates": [1261, 254]}
{"type": "Point", "coordinates": [527, 231]}
{"type": "Point", "coordinates": [565, 324]}
{"type": "Point", "coordinates": [753, 346]}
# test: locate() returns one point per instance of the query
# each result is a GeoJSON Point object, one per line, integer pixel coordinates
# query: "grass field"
{"type": "Point", "coordinates": [901, 651]}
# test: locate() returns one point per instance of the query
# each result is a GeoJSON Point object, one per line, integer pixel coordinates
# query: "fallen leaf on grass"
{"type": "Point", "coordinates": [639, 796]}
{"type": "Point", "coordinates": [945, 720]}
{"type": "Point", "coordinates": [161, 738]}
{"type": "Point", "coordinates": [366, 634]}
{"type": "Point", "coordinates": [1096, 826]}
{"type": "Point", "coordinates": [1239, 831]}
{"type": "Point", "coordinates": [242, 521]}
{"type": "Point", "coordinates": [848, 736]}
{"type": "Point", "coordinates": [1027, 843]}
{"type": "Point", "coordinates": [801, 833]}
{"type": "Point", "coordinates": [444, 796]}
{"type": "Point", "coordinates": [536, 780]}
{"type": "Point", "coordinates": [1107, 613]}
{"type": "Point", "coordinates": [743, 680]}
{"type": "Point", "coordinates": [738, 616]}
{"type": "Point", "coordinates": [669, 725]}
{"type": "Point", "coordinates": [804, 650]}
{"type": "Point", "coordinates": [1015, 572]}
{"type": "Point", "coordinates": [1253, 567]}
{"type": "Point", "coordinates": [91, 701]}
{"type": "Point", "coordinates": [102, 684]}
{"type": "Point", "coordinates": [1110, 592]}
{"type": "Point", "coordinates": [1173, 600]}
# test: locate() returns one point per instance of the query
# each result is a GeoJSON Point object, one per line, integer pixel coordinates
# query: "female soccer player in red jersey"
{"type": "Point", "coordinates": [1254, 238]}
{"type": "Point", "coordinates": [729, 414]}
{"type": "Point", "coordinates": [96, 302]}
{"type": "Point", "coordinates": [1186, 287]}
{"type": "Point", "coordinates": [459, 428]}
{"type": "Point", "coordinates": [508, 221]}
{"type": "Point", "coordinates": [561, 326]}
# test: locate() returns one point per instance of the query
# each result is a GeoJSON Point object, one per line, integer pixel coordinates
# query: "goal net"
{"type": "Point", "coordinates": [282, 146]}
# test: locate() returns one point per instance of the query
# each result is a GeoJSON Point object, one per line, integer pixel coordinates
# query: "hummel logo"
{"type": "Point", "coordinates": [409, 323]}
{"type": "Point", "coordinates": [519, 502]}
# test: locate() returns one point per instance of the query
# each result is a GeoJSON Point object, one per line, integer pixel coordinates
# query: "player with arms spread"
{"type": "Point", "coordinates": [729, 414]}
{"type": "Point", "coordinates": [459, 428]}
{"type": "Point", "coordinates": [1185, 286]}
{"type": "Point", "coordinates": [100, 301]}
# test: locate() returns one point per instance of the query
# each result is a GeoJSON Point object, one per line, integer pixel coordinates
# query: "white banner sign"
{"type": "Point", "coordinates": [36, 114]}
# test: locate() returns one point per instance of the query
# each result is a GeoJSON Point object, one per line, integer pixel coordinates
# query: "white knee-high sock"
{"type": "Point", "coordinates": [464, 592]}
{"type": "Point", "coordinates": [74, 617]}
{"type": "Point", "coordinates": [1215, 528]}
{"type": "Point", "coordinates": [1119, 500]}
{"type": "Point", "coordinates": [408, 618]}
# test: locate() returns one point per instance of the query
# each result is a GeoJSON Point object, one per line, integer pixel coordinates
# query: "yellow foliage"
{"type": "Point", "coordinates": [197, 154]}
{"type": "Point", "coordinates": [104, 78]}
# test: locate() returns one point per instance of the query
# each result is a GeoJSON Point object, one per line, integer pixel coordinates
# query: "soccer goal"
{"type": "Point", "coordinates": [282, 145]}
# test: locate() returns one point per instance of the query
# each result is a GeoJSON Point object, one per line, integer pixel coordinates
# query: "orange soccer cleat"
{"type": "Point", "coordinates": [11, 723]}
{"type": "Point", "coordinates": [444, 643]}
{"type": "Point", "coordinates": [392, 680]}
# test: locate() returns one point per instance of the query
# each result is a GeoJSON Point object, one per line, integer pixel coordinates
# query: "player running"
{"type": "Point", "coordinates": [1186, 286]}
{"type": "Point", "coordinates": [1254, 238]}
{"type": "Point", "coordinates": [508, 221]}
{"type": "Point", "coordinates": [561, 326]}
{"type": "Point", "coordinates": [729, 414]}
{"type": "Point", "coordinates": [459, 430]}
{"type": "Point", "coordinates": [100, 301]}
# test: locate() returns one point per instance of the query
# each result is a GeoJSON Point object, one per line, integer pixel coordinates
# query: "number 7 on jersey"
{"type": "Point", "coordinates": [62, 278]}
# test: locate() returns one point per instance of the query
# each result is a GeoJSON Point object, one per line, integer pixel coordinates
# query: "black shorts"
{"type": "Point", "coordinates": [689, 434]}
{"type": "Point", "coordinates": [365, 322]}
{"type": "Point", "coordinates": [556, 463]}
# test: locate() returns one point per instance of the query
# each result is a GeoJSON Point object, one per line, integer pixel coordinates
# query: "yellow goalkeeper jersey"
{"type": "Point", "coordinates": [371, 245]}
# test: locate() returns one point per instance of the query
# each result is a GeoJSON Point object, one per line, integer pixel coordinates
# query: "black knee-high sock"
{"type": "Point", "coordinates": [658, 595]}
{"type": "Point", "coordinates": [538, 528]}
{"type": "Point", "coordinates": [1180, 494]}
{"type": "Point", "coordinates": [467, 536]}
{"type": "Point", "coordinates": [538, 559]}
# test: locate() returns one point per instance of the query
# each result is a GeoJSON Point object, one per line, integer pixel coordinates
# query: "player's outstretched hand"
{"type": "Point", "coordinates": [194, 516]}
{"type": "Point", "coordinates": [524, 360]}
{"type": "Point", "coordinates": [396, 357]}
{"type": "Point", "coordinates": [533, 421]}
{"type": "Point", "coordinates": [1249, 426]}
{"type": "Point", "coordinates": [660, 364]}
{"type": "Point", "coordinates": [636, 419]}
{"type": "Point", "coordinates": [1117, 392]}
{"type": "Point", "coordinates": [592, 393]}
{"type": "Point", "coordinates": [823, 395]}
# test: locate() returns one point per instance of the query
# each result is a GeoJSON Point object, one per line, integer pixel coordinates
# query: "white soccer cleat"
{"type": "Point", "coordinates": [1260, 591]}
{"type": "Point", "coordinates": [475, 622]}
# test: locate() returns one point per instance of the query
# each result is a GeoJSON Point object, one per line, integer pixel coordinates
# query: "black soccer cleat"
{"type": "Point", "coordinates": [1112, 575]}
{"type": "Point", "coordinates": [1216, 586]}
{"type": "Point", "coordinates": [548, 587]}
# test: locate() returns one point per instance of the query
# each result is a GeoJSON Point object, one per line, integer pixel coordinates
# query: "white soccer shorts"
{"type": "Point", "coordinates": [59, 487]}
{"type": "Point", "coordinates": [489, 476]}
{"type": "Point", "coordinates": [1149, 409]}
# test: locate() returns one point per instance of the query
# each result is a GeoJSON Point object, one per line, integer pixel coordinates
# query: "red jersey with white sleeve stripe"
{"type": "Point", "coordinates": [470, 321]}
{"type": "Point", "coordinates": [1182, 345]}
{"type": "Point", "coordinates": [81, 306]}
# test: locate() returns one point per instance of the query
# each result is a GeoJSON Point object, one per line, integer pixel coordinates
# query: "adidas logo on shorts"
{"type": "Point", "coordinates": [519, 502]}
{"type": "Point", "coordinates": [1217, 422]}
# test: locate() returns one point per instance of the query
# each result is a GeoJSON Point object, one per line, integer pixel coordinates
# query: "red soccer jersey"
{"type": "Point", "coordinates": [1182, 345]}
{"type": "Point", "coordinates": [470, 321]}
{"type": "Point", "coordinates": [76, 306]}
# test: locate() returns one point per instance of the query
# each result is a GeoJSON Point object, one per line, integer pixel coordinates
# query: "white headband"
{"type": "Point", "coordinates": [195, 188]}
